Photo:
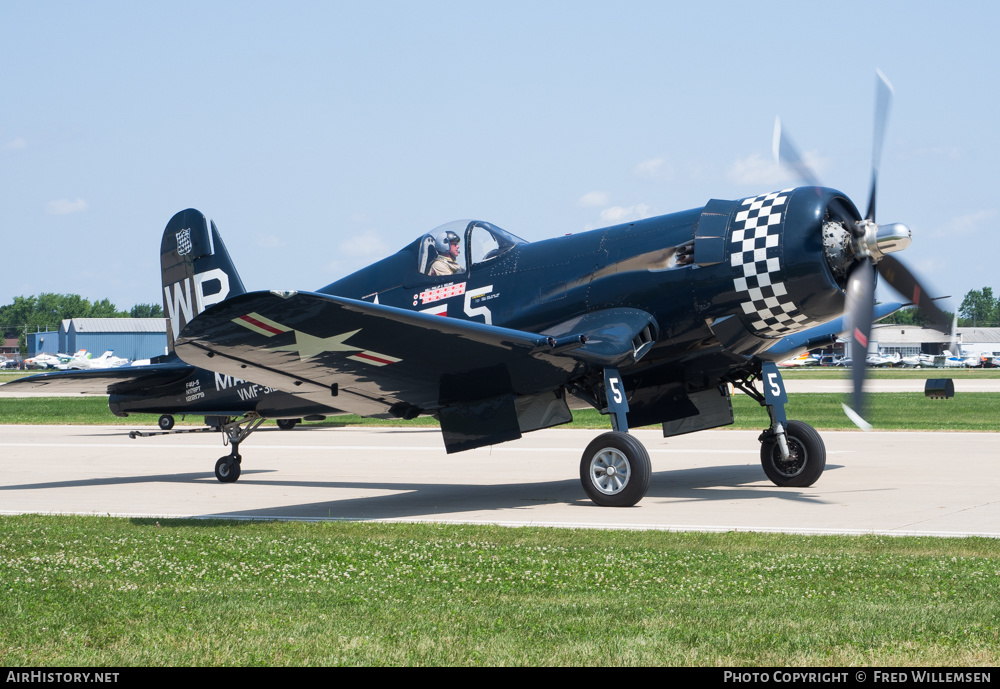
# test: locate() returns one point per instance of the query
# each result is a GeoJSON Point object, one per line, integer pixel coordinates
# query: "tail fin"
{"type": "Point", "coordinates": [196, 270]}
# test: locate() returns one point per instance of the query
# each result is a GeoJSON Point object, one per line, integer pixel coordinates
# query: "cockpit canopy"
{"type": "Point", "coordinates": [477, 242]}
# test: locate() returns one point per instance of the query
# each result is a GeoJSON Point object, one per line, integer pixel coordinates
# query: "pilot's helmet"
{"type": "Point", "coordinates": [444, 240]}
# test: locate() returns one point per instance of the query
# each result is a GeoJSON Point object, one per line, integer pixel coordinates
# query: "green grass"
{"type": "Point", "coordinates": [826, 373]}
{"type": "Point", "coordinates": [89, 591]}
{"type": "Point", "coordinates": [974, 411]}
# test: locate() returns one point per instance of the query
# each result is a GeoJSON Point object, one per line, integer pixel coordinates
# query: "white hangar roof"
{"type": "Point", "coordinates": [115, 325]}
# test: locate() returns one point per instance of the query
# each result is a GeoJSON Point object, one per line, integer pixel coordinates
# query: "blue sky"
{"type": "Point", "coordinates": [322, 136]}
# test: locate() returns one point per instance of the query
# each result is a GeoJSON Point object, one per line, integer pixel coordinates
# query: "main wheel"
{"type": "Point", "coordinates": [806, 457]}
{"type": "Point", "coordinates": [287, 424]}
{"type": "Point", "coordinates": [227, 469]}
{"type": "Point", "coordinates": [615, 470]}
{"type": "Point", "coordinates": [166, 422]}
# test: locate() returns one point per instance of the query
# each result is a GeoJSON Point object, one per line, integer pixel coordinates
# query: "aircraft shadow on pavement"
{"type": "Point", "coordinates": [431, 500]}
{"type": "Point", "coordinates": [434, 500]}
{"type": "Point", "coordinates": [189, 477]}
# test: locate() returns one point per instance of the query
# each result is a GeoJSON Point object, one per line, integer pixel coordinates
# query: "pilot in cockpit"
{"type": "Point", "coordinates": [447, 245]}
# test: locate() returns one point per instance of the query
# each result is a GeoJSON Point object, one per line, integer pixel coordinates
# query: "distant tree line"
{"type": "Point", "coordinates": [47, 310]}
{"type": "Point", "coordinates": [979, 309]}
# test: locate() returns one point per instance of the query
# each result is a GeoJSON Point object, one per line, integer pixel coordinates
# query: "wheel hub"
{"type": "Point", "coordinates": [793, 465]}
{"type": "Point", "coordinates": [609, 471]}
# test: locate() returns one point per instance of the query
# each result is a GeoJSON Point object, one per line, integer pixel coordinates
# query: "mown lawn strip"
{"type": "Point", "coordinates": [116, 592]}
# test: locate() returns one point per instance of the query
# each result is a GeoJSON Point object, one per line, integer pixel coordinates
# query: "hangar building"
{"type": "Point", "coordinates": [131, 338]}
{"type": "Point", "coordinates": [908, 340]}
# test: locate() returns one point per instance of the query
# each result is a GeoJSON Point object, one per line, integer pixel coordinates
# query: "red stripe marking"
{"type": "Point", "coordinates": [916, 294]}
{"type": "Point", "coordinates": [860, 337]}
{"type": "Point", "coordinates": [262, 326]}
{"type": "Point", "coordinates": [366, 355]}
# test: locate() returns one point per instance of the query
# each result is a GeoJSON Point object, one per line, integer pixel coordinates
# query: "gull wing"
{"type": "Point", "coordinates": [378, 360]}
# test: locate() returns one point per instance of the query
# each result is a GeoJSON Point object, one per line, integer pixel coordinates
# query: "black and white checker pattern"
{"type": "Point", "coordinates": [184, 245]}
{"type": "Point", "coordinates": [758, 276]}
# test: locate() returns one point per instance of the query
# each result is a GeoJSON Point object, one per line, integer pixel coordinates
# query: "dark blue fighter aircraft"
{"type": "Point", "coordinates": [651, 322]}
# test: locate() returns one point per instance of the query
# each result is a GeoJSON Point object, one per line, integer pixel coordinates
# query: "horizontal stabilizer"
{"type": "Point", "coordinates": [104, 381]}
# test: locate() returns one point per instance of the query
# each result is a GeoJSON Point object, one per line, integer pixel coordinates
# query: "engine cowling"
{"type": "Point", "coordinates": [787, 274]}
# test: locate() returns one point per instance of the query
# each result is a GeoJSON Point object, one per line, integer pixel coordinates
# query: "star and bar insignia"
{"type": "Point", "coordinates": [309, 346]}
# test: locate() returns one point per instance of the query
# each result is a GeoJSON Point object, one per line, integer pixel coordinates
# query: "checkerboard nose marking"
{"type": "Point", "coordinates": [755, 258]}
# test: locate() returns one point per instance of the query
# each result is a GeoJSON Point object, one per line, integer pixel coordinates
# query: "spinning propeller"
{"type": "Point", "coordinates": [859, 247]}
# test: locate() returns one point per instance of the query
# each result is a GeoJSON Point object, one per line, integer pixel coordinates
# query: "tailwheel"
{"type": "Point", "coordinates": [806, 456]}
{"type": "Point", "coordinates": [165, 422]}
{"type": "Point", "coordinates": [615, 470]}
{"type": "Point", "coordinates": [227, 469]}
{"type": "Point", "coordinates": [287, 424]}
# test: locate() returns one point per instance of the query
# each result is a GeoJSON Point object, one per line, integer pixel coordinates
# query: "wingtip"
{"type": "Point", "coordinates": [856, 418]}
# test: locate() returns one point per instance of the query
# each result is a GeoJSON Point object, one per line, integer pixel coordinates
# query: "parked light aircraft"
{"type": "Point", "coordinates": [949, 360]}
{"type": "Point", "coordinates": [84, 362]}
{"type": "Point", "coordinates": [650, 322]}
{"type": "Point", "coordinates": [918, 360]}
{"type": "Point", "coordinates": [46, 360]}
{"type": "Point", "coordinates": [804, 359]}
{"type": "Point", "coordinates": [878, 360]}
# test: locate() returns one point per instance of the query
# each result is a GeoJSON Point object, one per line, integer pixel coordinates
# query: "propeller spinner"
{"type": "Point", "coordinates": [856, 248]}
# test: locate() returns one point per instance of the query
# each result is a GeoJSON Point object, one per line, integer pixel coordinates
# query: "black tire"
{"type": "Point", "coordinates": [287, 424]}
{"type": "Point", "coordinates": [166, 422]}
{"type": "Point", "coordinates": [807, 458]}
{"type": "Point", "coordinates": [607, 458]}
{"type": "Point", "coordinates": [227, 469]}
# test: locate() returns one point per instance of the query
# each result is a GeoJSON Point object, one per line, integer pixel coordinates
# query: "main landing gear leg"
{"type": "Point", "coordinates": [615, 468]}
{"type": "Point", "coordinates": [792, 453]}
{"type": "Point", "coordinates": [227, 469]}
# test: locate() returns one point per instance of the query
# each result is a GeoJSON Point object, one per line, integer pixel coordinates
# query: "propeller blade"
{"type": "Point", "coordinates": [860, 309]}
{"type": "Point", "coordinates": [787, 154]}
{"type": "Point", "coordinates": [883, 98]}
{"type": "Point", "coordinates": [904, 282]}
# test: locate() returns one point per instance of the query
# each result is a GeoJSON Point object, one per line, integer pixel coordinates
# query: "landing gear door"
{"type": "Point", "coordinates": [715, 408]}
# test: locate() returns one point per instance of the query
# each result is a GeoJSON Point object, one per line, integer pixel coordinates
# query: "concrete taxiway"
{"type": "Point", "coordinates": [909, 483]}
